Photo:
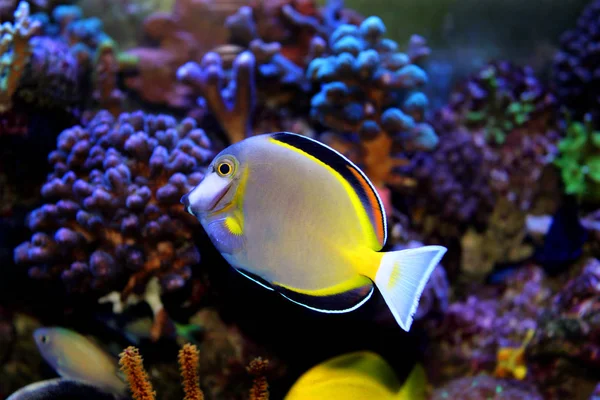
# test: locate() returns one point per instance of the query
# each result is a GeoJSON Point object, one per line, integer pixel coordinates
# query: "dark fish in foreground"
{"type": "Point", "coordinates": [60, 389]}
{"type": "Point", "coordinates": [297, 217]}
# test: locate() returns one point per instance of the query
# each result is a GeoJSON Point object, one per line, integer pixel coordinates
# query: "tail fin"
{"type": "Point", "coordinates": [415, 386]}
{"type": "Point", "coordinates": [402, 276]}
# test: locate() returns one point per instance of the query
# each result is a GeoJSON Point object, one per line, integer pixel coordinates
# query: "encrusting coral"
{"type": "Point", "coordinates": [112, 218]}
{"type": "Point", "coordinates": [360, 85]}
{"type": "Point", "coordinates": [188, 359]}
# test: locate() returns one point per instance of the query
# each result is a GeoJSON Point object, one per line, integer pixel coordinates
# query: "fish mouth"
{"type": "Point", "coordinates": [218, 199]}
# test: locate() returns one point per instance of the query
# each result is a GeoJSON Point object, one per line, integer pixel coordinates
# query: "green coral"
{"type": "Point", "coordinates": [504, 108]}
{"type": "Point", "coordinates": [579, 160]}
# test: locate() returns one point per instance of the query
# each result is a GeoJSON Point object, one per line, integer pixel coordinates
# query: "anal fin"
{"type": "Point", "coordinates": [342, 298]}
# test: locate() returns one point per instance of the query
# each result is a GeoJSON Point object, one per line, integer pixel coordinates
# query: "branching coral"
{"type": "Point", "coordinates": [291, 23]}
{"type": "Point", "coordinates": [14, 52]}
{"type": "Point", "coordinates": [233, 103]}
{"type": "Point", "coordinates": [361, 83]}
{"type": "Point", "coordinates": [141, 387]}
{"type": "Point", "coordinates": [576, 75]}
{"type": "Point", "coordinates": [112, 218]}
{"type": "Point", "coordinates": [173, 39]}
{"type": "Point", "coordinates": [132, 365]}
{"type": "Point", "coordinates": [282, 35]}
{"type": "Point", "coordinates": [189, 358]}
{"type": "Point", "coordinates": [260, 387]}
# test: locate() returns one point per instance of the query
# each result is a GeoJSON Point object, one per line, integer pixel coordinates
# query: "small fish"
{"type": "Point", "coordinates": [299, 218]}
{"type": "Point", "coordinates": [75, 357]}
{"type": "Point", "coordinates": [358, 376]}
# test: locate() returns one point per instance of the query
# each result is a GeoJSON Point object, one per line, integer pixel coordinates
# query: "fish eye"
{"type": "Point", "coordinates": [44, 339]}
{"type": "Point", "coordinates": [225, 167]}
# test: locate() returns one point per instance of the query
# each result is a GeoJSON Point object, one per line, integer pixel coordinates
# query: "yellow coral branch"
{"type": "Point", "coordinates": [188, 363]}
{"type": "Point", "coordinates": [139, 383]}
{"type": "Point", "coordinates": [260, 387]}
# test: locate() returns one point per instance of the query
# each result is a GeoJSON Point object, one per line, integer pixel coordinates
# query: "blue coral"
{"type": "Point", "coordinates": [366, 70]}
{"type": "Point", "coordinates": [368, 88]}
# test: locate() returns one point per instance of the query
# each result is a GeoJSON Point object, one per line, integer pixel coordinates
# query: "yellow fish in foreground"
{"type": "Point", "coordinates": [361, 375]}
{"type": "Point", "coordinates": [297, 217]}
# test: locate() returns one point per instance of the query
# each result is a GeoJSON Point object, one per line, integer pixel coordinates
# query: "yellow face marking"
{"type": "Point", "coordinates": [365, 222]}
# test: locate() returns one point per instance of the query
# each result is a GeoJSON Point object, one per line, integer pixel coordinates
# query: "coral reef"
{"type": "Point", "coordinates": [112, 217]}
{"type": "Point", "coordinates": [474, 331]}
{"type": "Point", "coordinates": [575, 67]}
{"type": "Point", "coordinates": [568, 329]}
{"type": "Point", "coordinates": [486, 387]}
{"type": "Point", "coordinates": [361, 83]}
{"type": "Point", "coordinates": [579, 161]}
{"type": "Point", "coordinates": [291, 24]}
{"type": "Point", "coordinates": [283, 35]}
{"type": "Point", "coordinates": [16, 52]}
{"type": "Point", "coordinates": [172, 40]}
{"type": "Point", "coordinates": [498, 135]}
{"type": "Point", "coordinates": [189, 357]}
{"type": "Point", "coordinates": [231, 105]}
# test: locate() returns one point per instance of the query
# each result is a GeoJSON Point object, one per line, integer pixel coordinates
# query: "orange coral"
{"type": "Point", "coordinates": [139, 383]}
{"type": "Point", "coordinates": [189, 357]}
{"type": "Point", "coordinates": [188, 363]}
{"type": "Point", "coordinates": [260, 387]}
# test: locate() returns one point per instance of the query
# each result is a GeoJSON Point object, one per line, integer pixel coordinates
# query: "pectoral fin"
{"type": "Point", "coordinates": [338, 299]}
{"type": "Point", "coordinates": [226, 234]}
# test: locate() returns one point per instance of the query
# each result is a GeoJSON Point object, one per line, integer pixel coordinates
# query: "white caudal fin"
{"type": "Point", "coordinates": [402, 276]}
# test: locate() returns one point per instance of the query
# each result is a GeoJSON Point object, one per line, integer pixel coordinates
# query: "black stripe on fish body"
{"type": "Point", "coordinates": [351, 173]}
{"type": "Point", "coordinates": [335, 304]}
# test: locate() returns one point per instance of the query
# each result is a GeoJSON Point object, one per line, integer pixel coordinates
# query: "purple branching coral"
{"type": "Point", "coordinates": [281, 35]}
{"type": "Point", "coordinates": [112, 218]}
{"type": "Point", "coordinates": [230, 100]}
{"type": "Point", "coordinates": [15, 51]}
{"type": "Point", "coordinates": [362, 84]}
{"type": "Point", "coordinates": [576, 74]}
